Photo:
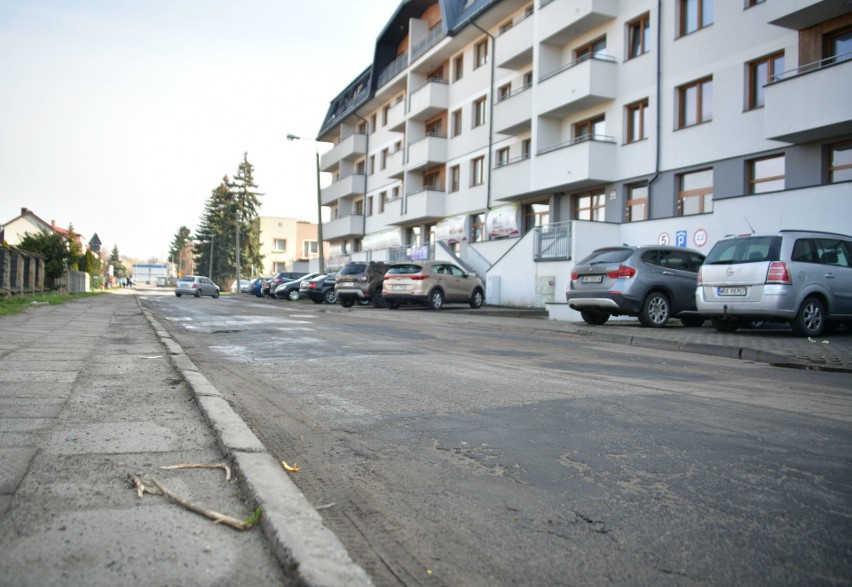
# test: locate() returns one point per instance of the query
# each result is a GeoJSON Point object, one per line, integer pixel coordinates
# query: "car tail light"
{"type": "Point", "coordinates": [312, 285]}
{"type": "Point", "coordinates": [574, 276]}
{"type": "Point", "coordinates": [623, 272]}
{"type": "Point", "coordinates": [699, 277]}
{"type": "Point", "coordinates": [779, 273]}
{"type": "Point", "coordinates": [417, 277]}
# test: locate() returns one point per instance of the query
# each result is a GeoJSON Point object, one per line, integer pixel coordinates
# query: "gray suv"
{"type": "Point", "coordinates": [654, 283]}
{"type": "Point", "coordinates": [361, 282]}
{"type": "Point", "coordinates": [802, 277]}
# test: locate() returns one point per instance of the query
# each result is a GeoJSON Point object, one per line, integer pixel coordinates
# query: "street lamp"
{"type": "Point", "coordinates": [210, 275]}
{"type": "Point", "coordinates": [319, 201]}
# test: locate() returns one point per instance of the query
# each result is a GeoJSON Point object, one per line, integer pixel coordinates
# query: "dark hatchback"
{"type": "Point", "coordinates": [320, 289]}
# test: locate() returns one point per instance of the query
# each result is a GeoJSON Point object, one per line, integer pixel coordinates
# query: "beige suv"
{"type": "Point", "coordinates": [431, 284]}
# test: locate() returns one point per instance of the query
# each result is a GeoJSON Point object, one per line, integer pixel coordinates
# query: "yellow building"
{"type": "Point", "coordinates": [286, 244]}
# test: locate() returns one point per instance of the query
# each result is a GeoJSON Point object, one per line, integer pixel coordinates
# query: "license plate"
{"type": "Point", "coordinates": [731, 291]}
{"type": "Point", "coordinates": [592, 278]}
{"type": "Point", "coordinates": [397, 287]}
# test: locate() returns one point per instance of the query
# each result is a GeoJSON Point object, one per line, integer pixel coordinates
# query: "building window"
{"type": "Point", "coordinates": [504, 92]}
{"type": "Point", "coordinates": [477, 171]}
{"type": "Point", "coordinates": [766, 175]}
{"type": "Point", "coordinates": [455, 178]}
{"type": "Point", "coordinates": [373, 124]}
{"type": "Point", "coordinates": [639, 36]}
{"type": "Point", "coordinates": [479, 112]}
{"type": "Point", "coordinates": [637, 202]}
{"type": "Point", "coordinates": [840, 163]}
{"type": "Point", "coordinates": [359, 168]}
{"type": "Point", "coordinates": [383, 162]}
{"type": "Point", "coordinates": [279, 245]}
{"type": "Point", "coordinates": [695, 103]}
{"type": "Point", "coordinates": [385, 110]}
{"type": "Point", "coordinates": [760, 73]}
{"type": "Point", "coordinates": [372, 166]}
{"type": "Point", "coordinates": [528, 80]}
{"type": "Point", "coordinates": [383, 199]}
{"type": "Point", "coordinates": [457, 122]}
{"type": "Point", "coordinates": [526, 148]}
{"type": "Point", "coordinates": [370, 206]}
{"type": "Point", "coordinates": [395, 192]}
{"type": "Point", "coordinates": [506, 26]}
{"type": "Point", "coordinates": [310, 248]}
{"type": "Point", "coordinates": [593, 49]}
{"type": "Point", "coordinates": [435, 128]}
{"type": "Point", "coordinates": [502, 157]}
{"type": "Point", "coordinates": [590, 205]}
{"type": "Point", "coordinates": [397, 146]}
{"type": "Point", "coordinates": [361, 128]}
{"type": "Point", "coordinates": [695, 192]}
{"type": "Point", "coordinates": [536, 215]}
{"type": "Point", "coordinates": [458, 68]}
{"type": "Point", "coordinates": [695, 15]}
{"type": "Point", "coordinates": [586, 130]}
{"type": "Point", "coordinates": [839, 45]}
{"type": "Point", "coordinates": [359, 208]}
{"type": "Point", "coordinates": [480, 54]}
{"type": "Point", "coordinates": [478, 228]}
{"type": "Point", "coordinates": [636, 121]}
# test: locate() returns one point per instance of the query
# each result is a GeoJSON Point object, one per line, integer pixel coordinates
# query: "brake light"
{"type": "Point", "coordinates": [699, 277]}
{"type": "Point", "coordinates": [623, 272]}
{"type": "Point", "coordinates": [574, 276]}
{"type": "Point", "coordinates": [417, 277]}
{"type": "Point", "coordinates": [312, 285]}
{"type": "Point", "coordinates": [779, 273]}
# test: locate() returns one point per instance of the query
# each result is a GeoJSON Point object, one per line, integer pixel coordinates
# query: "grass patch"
{"type": "Point", "coordinates": [17, 304]}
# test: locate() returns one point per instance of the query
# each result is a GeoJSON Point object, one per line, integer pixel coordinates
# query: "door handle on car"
{"type": "Point", "coordinates": [829, 275]}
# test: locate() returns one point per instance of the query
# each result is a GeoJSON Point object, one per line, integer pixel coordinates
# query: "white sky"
{"type": "Point", "coordinates": [121, 116]}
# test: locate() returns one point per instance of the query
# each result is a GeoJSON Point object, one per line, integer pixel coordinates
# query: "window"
{"type": "Point", "coordinates": [372, 165]}
{"type": "Point", "coordinates": [536, 215]}
{"type": "Point", "coordinates": [526, 148]}
{"type": "Point", "coordinates": [310, 248]}
{"type": "Point", "coordinates": [373, 123]}
{"type": "Point", "coordinates": [528, 80]}
{"type": "Point", "coordinates": [595, 48]}
{"type": "Point", "coordinates": [359, 208]}
{"type": "Point", "coordinates": [479, 112]}
{"type": "Point", "coordinates": [506, 26]}
{"type": "Point", "coordinates": [695, 15]}
{"type": "Point", "coordinates": [397, 146]}
{"type": "Point", "coordinates": [369, 205]}
{"type": "Point", "coordinates": [590, 205]}
{"type": "Point", "coordinates": [480, 54]}
{"type": "Point", "coordinates": [361, 128]}
{"type": "Point", "coordinates": [383, 162]}
{"type": "Point", "coordinates": [840, 163]}
{"type": "Point", "coordinates": [383, 199]}
{"type": "Point", "coordinates": [636, 121]}
{"type": "Point", "coordinates": [457, 123]}
{"type": "Point", "coordinates": [359, 168]}
{"type": "Point", "coordinates": [695, 103]}
{"type": "Point", "coordinates": [279, 245]}
{"type": "Point", "coordinates": [432, 180]}
{"type": "Point", "coordinates": [639, 36]}
{"type": "Point", "coordinates": [502, 157]}
{"type": "Point", "coordinates": [435, 128]}
{"type": "Point", "coordinates": [695, 192]}
{"type": "Point", "coordinates": [395, 192]}
{"type": "Point", "coordinates": [637, 202]}
{"type": "Point", "coordinates": [504, 92]}
{"type": "Point", "coordinates": [436, 75]}
{"type": "Point", "coordinates": [760, 73]}
{"type": "Point", "coordinates": [589, 129]}
{"type": "Point", "coordinates": [839, 45]}
{"type": "Point", "coordinates": [458, 68]}
{"type": "Point", "coordinates": [478, 227]}
{"type": "Point", "coordinates": [477, 171]}
{"type": "Point", "coordinates": [766, 175]}
{"type": "Point", "coordinates": [455, 178]}
{"type": "Point", "coordinates": [385, 110]}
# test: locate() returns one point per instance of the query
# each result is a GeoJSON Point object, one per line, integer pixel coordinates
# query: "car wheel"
{"type": "Point", "coordinates": [723, 325]}
{"type": "Point", "coordinates": [655, 311]}
{"type": "Point", "coordinates": [810, 320]}
{"type": "Point", "coordinates": [692, 321]}
{"type": "Point", "coordinates": [378, 301]}
{"type": "Point", "coordinates": [293, 296]}
{"type": "Point", "coordinates": [329, 297]}
{"type": "Point", "coordinates": [594, 318]}
{"type": "Point", "coordinates": [198, 293]}
{"type": "Point", "coordinates": [347, 302]}
{"type": "Point", "coordinates": [215, 294]}
{"type": "Point", "coordinates": [477, 298]}
{"type": "Point", "coordinates": [316, 300]}
{"type": "Point", "coordinates": [178, 295]}
{"type": "Point", "coordinates": [391, 304]}
{"type": "Point", "coordinates": [436, 300]}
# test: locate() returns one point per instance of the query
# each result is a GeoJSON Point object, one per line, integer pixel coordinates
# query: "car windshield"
{"type": "Point", "coordinates": [408, 269]}
{"type": "Point", "coordinates": [353, 269]}
{"type": "Point", "coordinates": [607, 256]}
{"type": "Point", "coordinates": [752, 249]}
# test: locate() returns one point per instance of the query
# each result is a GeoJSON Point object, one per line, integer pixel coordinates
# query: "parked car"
{"type": "Point", "coordinates": [289, 290]}
{"type": "Point", "coordinates": [196, 285]}
{"type": "Point", "coordinates": [797, 276]}
{"type": "Point", "coordinates": [361, 282]}
{"type": "Point", "coordinates": [431, 284]}
{"type": "Point", "coordinates": [654, 283]}
{"type": "Point", "coordinates": [162, 281]}
{"type": "Point", "coordinates": [255, 285]}
{"type": "Point", "coordinates": [281, 277]}
{"type": "Point", "coordinates": [320, 289]}
{"type": "Point", "coordinates": [244, 286]}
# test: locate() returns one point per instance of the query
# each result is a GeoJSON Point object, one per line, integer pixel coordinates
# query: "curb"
{"type": "Point", "coordinates": [308, 551]}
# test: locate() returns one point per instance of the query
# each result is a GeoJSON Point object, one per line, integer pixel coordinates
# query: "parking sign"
{"type": "Point", "coordinates": [680, 238]}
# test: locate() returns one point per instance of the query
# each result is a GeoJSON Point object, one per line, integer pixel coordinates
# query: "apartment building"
{"type": "Point", "coordinates": [286, 244]}
{"type": "Point", "coordinates": [515, 136]}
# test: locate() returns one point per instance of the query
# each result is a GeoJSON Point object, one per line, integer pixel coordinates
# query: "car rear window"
{"type": "Point", "coordinates": [187, 278]}
{"type": "Point", "coordinates": [751, 249]}
{"type": "Point", "coordinates": [409, 269]}
{"type": "Point", "coordinates": [353, 269]}
{"type": "Point", "coordinates": [607, 256]}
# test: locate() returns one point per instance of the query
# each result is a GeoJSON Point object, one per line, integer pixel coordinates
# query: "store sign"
{"type": "Point", "coordinates": [384, 239]}
{"type": "Point", "coordinates": [453, 230]}
{"type": "Point", "coordinates": [503, 221]}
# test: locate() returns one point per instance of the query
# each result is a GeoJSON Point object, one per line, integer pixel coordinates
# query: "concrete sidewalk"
{"type": "Point", "coordinates": [89, 393]}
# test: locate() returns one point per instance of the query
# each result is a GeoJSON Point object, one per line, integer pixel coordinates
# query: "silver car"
{"type": "Point", "coordinates": [796, 276]}
{"type": "Point", "coordinates": [431, 284]}
{"type": "Point", "coordinates": [196, 285]}
{"type": "Point", "coordinates": [654, 283]}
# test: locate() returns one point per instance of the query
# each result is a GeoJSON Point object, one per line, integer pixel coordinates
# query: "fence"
{"type": "Point", "coordinates": [21, 272]}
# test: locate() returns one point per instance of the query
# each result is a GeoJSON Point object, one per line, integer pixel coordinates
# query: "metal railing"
{"type": "Point", "coordinates": [580, 139]}
{"type": "Point", "coordinates": [812, 66]}
{"type": "Point", "coordinates": [435, 34]}
{"type": "Point", "coordinates": [431, 134]}
{"type": "Point", "coordinates": [515, 92]}
{"type": "Point", "coordinates": [511, 161]}
{"type": "Point", "coordinates": [552, 241]}
{"type": "Point", "coordinates": [396, 66]}
{"type": "Point", "coordinates": [517, 21]}
{"type": "Point", "coordinates": [584, 58]}
{"type": "Point", "coordinates": [425, 188]}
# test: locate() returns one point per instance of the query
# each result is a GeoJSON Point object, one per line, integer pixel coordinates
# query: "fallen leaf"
{"type": "Point", "coordinates": [292, 469]}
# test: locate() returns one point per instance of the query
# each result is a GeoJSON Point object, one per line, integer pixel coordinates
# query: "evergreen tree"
{"type": "Point", "coordinates": [215, 235]}
{"type": "Point", "coordinates": [176, 250]}
{"type": "Point", "coordinates": [118, 268]}
{"type": "Point", "coordinates": [246, 200]}
{"type": "Point", "coordinates": [53, 248]}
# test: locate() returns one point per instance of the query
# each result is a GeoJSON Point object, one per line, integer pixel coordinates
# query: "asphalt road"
{"type": "Point", "coordinates": [450, 449]}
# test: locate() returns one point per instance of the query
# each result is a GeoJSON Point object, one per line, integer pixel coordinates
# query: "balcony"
{"type": "Point", "coordinates": [804, 105]}
{"type": "Point", "coordinates": [588, 162]}
{"type": "Point", "coordinates": [429, 100]}
{"type": "Point", "coordinates": [513, 114]}
{"type": "Point", "coordinates": [351, 185]}
{"type": "Point", "coordinates": [563, 20]}
{"type": "Point", "coordinates": [802, 14]}
{"type": "Point", "coordinates": [512, 181]}
{"type": "Point", "coordinates": [427, 151]}
{"type": "Point", "coordinates": [344, 227]}
{"type": "Point", "coordinates": [352, 147]}
{"type": "Point", "coordinates": [577, 86]}
{"type": "Point", "coordinates": [514, 47]}
{"type": "Point", "coordinates": [393, 166]}
{"type": "Point", "coordinates": [423, 205]}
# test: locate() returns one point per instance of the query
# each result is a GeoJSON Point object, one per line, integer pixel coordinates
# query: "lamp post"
{"type": "Point", "coordinates": [210, 274]}
{"type": "Point", "coordinates": [319, 202]}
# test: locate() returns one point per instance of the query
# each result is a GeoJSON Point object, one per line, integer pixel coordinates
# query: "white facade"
{"type": "Point", "coordinates": [714, 122]}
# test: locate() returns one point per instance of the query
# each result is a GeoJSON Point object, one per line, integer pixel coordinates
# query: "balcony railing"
{"type": "Point", "coordinates": [391, 71]}
{"type": "Point", "coordinates": [576, 62]}
{"type": "Point", "coordinates": [498, 164]}
{"type": "Point", "coordinates": [514, 92]}
{"type": "Point", "coordinates": [552, 241]}
{"type": "Point", "coordinates": [575, 141]}
{"type": "Point", "coordinates": [435, 34]}
{"type": "Point", "coordinates": [813, 66]}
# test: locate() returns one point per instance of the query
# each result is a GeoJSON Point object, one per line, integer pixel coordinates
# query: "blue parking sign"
{"type": "Point", "coordinates": [680, 238]}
